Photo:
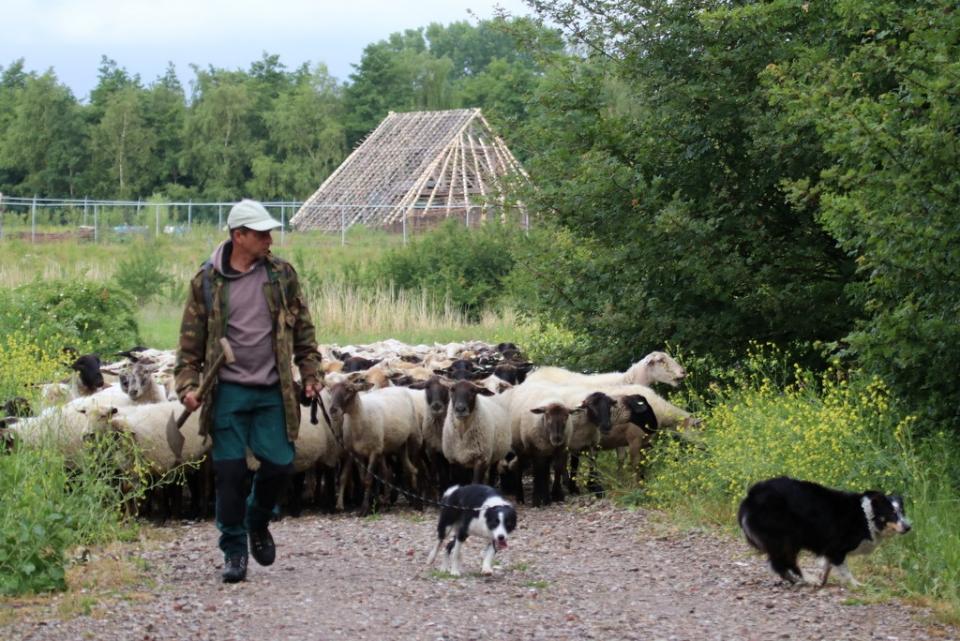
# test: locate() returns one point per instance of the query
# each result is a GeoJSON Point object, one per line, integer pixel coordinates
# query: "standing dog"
{"type": "Point", "coordinates": [477, 510]}
{"type": "Point", "coordinates": [782, 516]}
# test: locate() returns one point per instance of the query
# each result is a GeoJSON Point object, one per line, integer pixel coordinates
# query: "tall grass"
{"type": "Point", "coordinates": [343, 313]}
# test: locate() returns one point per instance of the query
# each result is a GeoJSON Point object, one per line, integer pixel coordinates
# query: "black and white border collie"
{"type": "Point", "coordinates": [782, 516]}
{"type": "Point", "coordinates": [478, 510]}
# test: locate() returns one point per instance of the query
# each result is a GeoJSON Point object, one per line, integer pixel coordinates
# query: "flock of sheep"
{"type": "Point", "coordinates": [418, 418]}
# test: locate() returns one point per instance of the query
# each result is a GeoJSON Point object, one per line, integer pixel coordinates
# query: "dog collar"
{"type": "Point", "coordinates": [867, 506]}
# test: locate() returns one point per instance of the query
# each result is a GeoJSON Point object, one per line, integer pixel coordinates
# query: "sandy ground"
{"type": "Point", "coordinates": [582, 570]}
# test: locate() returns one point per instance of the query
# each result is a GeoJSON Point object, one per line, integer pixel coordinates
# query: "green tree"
{"type": "Point", "coordinates": [12, 81]}
{"type": "Point", "coordinates": [306, 139]}
{"type": "Point", "coordinates": [659, 157]}
{"type": "Point", "coordinates": [219, 143]}
{"type": "Point", "coordinates": [124, 145]}
{"type": "Point", "coordinates": [45, 139]}
{"type": "Point", "coordinates": [880, 87]}
{"type": "Point", "coordinates": [165, 112]}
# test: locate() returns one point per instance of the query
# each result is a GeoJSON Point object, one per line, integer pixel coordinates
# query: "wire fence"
{"type": "Point", "coordinates": [44, 219]}
{"type": "Point", "coordinates": [37, 220]}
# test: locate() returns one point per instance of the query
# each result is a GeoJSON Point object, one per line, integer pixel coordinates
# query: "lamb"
{"type": "Point", "coordinates": [655, 367]}
{"type": "Point", "coordinates": [374, 424]}
{"type": "Point", "coordinates": [635, 429]}
{"type": "Point", "coordinates": [86, 381]}
{"type": "Point", "coordinates": [140, 385]}
{"type": "Point", "coordinates": [146, 424]}
{"type": "Point", "coordinates": [584, 427]}
{"type": "Point", "coordinates": [544, 432]}
{"type": "Point", "coordinates": [476, 431]}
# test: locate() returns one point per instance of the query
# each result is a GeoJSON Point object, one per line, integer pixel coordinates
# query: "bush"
{"type": "Point", "coordinates": [143, 274]}
{"type": "Point", "coordinates": [46, 509]}
{"type": "Point", "coordinates": [818, 427]}
{"type": "Point", "coordinates": [93, 316]}
{"type": "Point", "coordinates": [466, 266]}
{"type": "Point", "coordinates": [25, 365]}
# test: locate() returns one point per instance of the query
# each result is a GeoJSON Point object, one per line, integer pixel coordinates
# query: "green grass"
{"type": "Point", "coordinates": [342, 314]}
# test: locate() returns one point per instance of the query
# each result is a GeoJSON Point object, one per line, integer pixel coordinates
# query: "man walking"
{"type": "Point", "coordinates": [252, 298]}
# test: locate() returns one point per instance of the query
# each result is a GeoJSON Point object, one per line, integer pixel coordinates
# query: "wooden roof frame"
{"type": "Point", "coordinates": [419, 165]}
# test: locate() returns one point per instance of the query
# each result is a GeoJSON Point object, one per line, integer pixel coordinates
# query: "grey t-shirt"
{"type": "Point", "coordinates": [249, 324]}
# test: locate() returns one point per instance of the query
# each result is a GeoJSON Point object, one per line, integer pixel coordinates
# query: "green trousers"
{"type": "Point", "coordinates": [245, 417]}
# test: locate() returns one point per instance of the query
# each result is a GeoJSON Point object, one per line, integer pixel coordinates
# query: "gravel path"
{"type": "Point", "coordinates": [576, 571]}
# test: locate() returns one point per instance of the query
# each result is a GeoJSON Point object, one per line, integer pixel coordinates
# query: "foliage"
{"type": "Point", "coordinates": [264, 132]}
{"type": "Point", "coordinates": [27, 364]}
{"type": "Point", "coordinates": [880, 89]}
{"type": "Point", "coordinates": [96, 316]}
{"type": "Point", "coordinates": [143, 272]}
{"type": "Point", "coordinates": [46, 509]}
{"type": "Point", "coordinates": [657, 156]}
{"type": "Point", "coordinates": [466, 266]}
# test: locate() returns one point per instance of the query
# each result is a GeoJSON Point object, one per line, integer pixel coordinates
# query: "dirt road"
{"type": "Point", "coordinates": [575, 571]}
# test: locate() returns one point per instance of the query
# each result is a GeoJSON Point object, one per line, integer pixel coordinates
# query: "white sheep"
{"type": "Point", "coordinates": [655, 367]}
{"type": "Point", "coordinates": [374, 424]}
{"type": "Point", "coordinates": [317, 450]}
{"type": "Point", "coordinates": [62, 428]}
{"type": "Point", "coordinates": [476, 431]}
{"type": "Point", "coordinates": [147, 423]}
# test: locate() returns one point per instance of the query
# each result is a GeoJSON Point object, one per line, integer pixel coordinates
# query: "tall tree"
{"type": "Point", "coordinates": [165, 112]}
{"type": "Point", "coordinates": [659, 151]}
{"type": "Point", "coordinates": [12, 81]}
{"type": "Point", "coordinates": [123, 144]}
{"type": "Point", "coordinates": [218, 132]}
{"type": "Point", "coordinates": [881, 87]}
{"type": "Point", "coordinates": [44, 142]}
{"type": "Point", "coordinates": [306, 139]}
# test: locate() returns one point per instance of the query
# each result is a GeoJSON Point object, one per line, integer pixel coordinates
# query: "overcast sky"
{"type": "Point", "coordinates": [143, 35]}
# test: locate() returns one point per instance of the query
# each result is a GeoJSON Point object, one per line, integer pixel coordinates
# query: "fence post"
{"type": "Point", "coordinates": [85, 211]}
{"type": "Point", "coordinates": [96, 227]}
{"type": "Point", "coordinates": [33, 220]}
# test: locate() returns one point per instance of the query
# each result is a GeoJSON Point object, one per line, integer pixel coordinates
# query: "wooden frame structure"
{"type": "Point", "coordinates": [416, 168]}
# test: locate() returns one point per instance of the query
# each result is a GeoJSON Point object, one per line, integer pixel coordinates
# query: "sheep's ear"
{"type": "Point", "coordinates": [538, 410]}
{"type": "Point", "coordinates": [577, 409]}
{"type": "Point", "coordinates": [485, 392]}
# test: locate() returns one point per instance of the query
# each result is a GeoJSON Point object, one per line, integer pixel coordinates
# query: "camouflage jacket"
{"type": "Point", "coordinates": [294, 339]}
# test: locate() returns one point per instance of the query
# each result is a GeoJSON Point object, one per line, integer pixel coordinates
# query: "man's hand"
{"type": "Point", "coordinates": [190, 401]}
{"type": "Point", "coordinates": [312, 389]}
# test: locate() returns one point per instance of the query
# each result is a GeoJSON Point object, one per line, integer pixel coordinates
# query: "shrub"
{"type": "Point", "coordinates": [46, 509]}
{"type": "Point", "coordinates": [95, 316]}
{"type": "Point", "coordinates": [143, 273]}
{"type": "Point", "coordinates": [25, 365]}
{"type": "Point", "coordinates": [765, 422]}
{"type": "Point", "coordinates": [468, 266]}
